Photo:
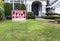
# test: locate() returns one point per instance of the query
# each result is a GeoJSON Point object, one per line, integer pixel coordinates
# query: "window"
{"type": "Point", "coordinates": [16, 5]}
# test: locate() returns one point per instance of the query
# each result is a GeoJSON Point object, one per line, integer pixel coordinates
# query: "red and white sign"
{"type": "Point", "coordinates": [18, 15]}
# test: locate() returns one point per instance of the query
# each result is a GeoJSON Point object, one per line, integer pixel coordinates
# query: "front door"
{"type": "Point", "coordinates": [35, 9]}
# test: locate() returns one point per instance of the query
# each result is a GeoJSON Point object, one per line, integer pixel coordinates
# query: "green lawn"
{"type": "Point", "coordinates": [31, 30]}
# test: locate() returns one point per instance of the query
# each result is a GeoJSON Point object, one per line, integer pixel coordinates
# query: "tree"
{"type": "Point", "coordinates": [1, 12]}
{"type": "Point", "coordinates": [2, 15]}
{"type": "Point", "coordinates": [1, 3]}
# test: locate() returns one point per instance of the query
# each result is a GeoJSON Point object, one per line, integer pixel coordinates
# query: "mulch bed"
{"type": "Point", "coordinates": [2, 20]}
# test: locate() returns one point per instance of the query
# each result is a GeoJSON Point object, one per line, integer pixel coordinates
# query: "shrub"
{"type": "Point", "coordinates": [30, 15]}
{"type": "Point", "coordinates": [1, 12]}
{"type": "Point", "coordinates": [22, 7]}
{"type": "Point", "coordinates": [51, 13]}
{"type": "Point", "coordinates": [8, 9]}
{"type": "Point", "coordinates": [50, 17]}
{"type": "Point", "coordinates": [57, 19]}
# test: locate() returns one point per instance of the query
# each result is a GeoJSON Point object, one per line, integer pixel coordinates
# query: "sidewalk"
{"type": "Point", "coordinates": [44, 19]}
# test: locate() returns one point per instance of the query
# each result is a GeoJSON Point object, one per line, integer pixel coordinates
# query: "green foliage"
{"type": "Point", "coordinates": [30, 15]}
{"type": "Point", "coordinates": [50, 17]}
{"type": "Point", "coordinates": [1, 3]}
{"type": "Point", "coordinates": [1, 12]}
{"type": "Point", "coordinates": [22, 7]}
{"type": "Point", "coordinates": [57, 19]}
{"type": "Point", "coordinates": [8, 9]}
{"type": "Point", "coordinates": [51, 14]}
{"type": "Point", "coordinates": [16, 6]}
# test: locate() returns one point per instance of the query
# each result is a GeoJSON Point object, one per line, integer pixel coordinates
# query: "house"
{"type": "Point", "coordinates": [53, 6]}
{"type": "Point", "coordinates": [39, 7]}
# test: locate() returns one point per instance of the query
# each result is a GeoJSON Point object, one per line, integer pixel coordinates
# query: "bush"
{"type": "Point", "coordinates": [30, 15]}
{"type": "Point", "coordinates": [51, 14]}
{"type": "Point", "coordinates": [22, 7]}
{"type": "Point", "coordinates": [57, 19]}
{"type": "Point", "coordinates": [8, 9]}
{"type": "Point", "coordinates": [50, 17]}
{"type": "Point", "coordinates": [1, 12]}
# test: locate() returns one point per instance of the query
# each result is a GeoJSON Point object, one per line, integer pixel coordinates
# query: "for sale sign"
{"type": "Point", "coordinates": [18, 15]}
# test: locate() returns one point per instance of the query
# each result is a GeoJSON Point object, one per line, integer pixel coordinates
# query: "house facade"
{"type": "Point", "coordinates": [53, 6]}
{"type": "Point", "coordinates": [39, 7]}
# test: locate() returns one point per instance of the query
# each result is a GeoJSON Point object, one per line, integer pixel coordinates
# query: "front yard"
{"type": "Point", "coordinates": [31, 30]}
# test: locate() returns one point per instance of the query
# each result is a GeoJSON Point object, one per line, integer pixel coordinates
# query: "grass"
{"type": "Point", "coordinates": [31, 30]}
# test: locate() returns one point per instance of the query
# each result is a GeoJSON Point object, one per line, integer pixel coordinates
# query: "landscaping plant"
{"type": "Point", "coordinates": [22, 7]}
{"type": "Point", "coordinates": [57, 19]}
{"type": "Point", "coordinates": [8, 9]}
{"type": "Point", "coordinates": [1, 12]}
{"type": "Point", "coordinates": [30, 15]}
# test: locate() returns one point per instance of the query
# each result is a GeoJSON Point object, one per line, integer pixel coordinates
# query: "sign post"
{"type": "Point", "coordinates": [18, 15]}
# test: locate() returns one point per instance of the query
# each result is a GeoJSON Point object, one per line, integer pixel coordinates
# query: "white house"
{"type": "Point", "coordinates": [39, 7]}
{"type": "Point", "coordinates": [53, 6]}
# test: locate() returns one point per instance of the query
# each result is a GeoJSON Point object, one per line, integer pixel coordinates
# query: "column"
{"type": "Point", "coordinates": [43, 8]}
{"type": "Point", "coordinates": [28, 7]}
{"type": "Point", "coordinates": [28, 3]}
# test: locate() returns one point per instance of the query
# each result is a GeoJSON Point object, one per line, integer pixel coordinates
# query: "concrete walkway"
{"type": "Point", "coordinates": [44, 19]}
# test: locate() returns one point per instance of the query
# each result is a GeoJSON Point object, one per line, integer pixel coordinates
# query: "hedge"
{"type": "Point", "coordinates": [51, 14]}
{"type": "Point", "coordinates": [57, 19]}
{"type": "Point", "coordinates": [50, 17]}
{"type": "Point", "coordinates": [30, 15]}
{"type": "Point", "coordinates": [8, 9]}
{"type": "Point", "coordinates": [22, 7]}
